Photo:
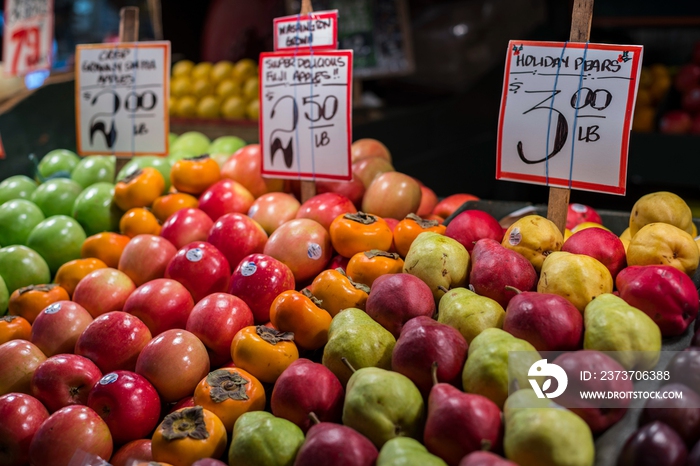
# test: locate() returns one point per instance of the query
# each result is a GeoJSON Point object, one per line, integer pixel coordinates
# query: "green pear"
{"type": "Point", "coordinates": [545, 436]}
{"type": "Point", "coordinates": [261, 439]}
{"type": "Point", "coordinates": [613, 325]}
{"type": "Point", "coordinates": [4, 296]}
{"type": "Point", "coordinates": [382, 404]}
{"type": "Point", "coordinates": [362, 341]}
{"type": "Point", "coordinates": [404, 451]}
{"type": "Point", "coordinates": [490, 368]}
{"type": "Point", "coordinates": [439, 261]}
{"type": "Point", "coordinates": [469, 313]}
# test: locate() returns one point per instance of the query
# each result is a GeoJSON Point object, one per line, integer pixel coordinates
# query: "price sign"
{"type": "Point", "coordinates": [27, 36]}
{"type": "Point", "coordinates": [566, 114]}
{"type": "Point", "coordinates": [317, 30]}
{"type": "Point", "coordinates": [121, 98]}
{"type": "Point", "coordinates": [305, 114]}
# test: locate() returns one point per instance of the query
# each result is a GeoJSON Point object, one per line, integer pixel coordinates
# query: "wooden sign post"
{"type": "Point", "coordinates": [128, 32]}
{"type": "Point", "coordinates": [308, 188]}
{"type": "Point", "coordinates": [581, 18]}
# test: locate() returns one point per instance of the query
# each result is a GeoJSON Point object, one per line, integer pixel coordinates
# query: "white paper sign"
{"type": "Point", "coordinates": [318, 30]}
{"type": "Point", "coordinates": [27, 36]}
{"type": "Point", "coordinates": [305, 114]}
{"type": "Point", "coordinates": [566, 114]}
{"type": "Point", "coordinates": [121, 98]}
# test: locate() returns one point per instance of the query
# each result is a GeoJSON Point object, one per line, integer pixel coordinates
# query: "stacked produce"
{"type": "Point", "coordinates": [194, 312]}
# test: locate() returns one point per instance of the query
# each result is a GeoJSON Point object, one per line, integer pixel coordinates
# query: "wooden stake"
{"type": "Point", "coordinates": [581, 18]}
{"type": "Point", "coordinates": [128, 32]}
{"type": "Point", "coordinates": [308, 188]}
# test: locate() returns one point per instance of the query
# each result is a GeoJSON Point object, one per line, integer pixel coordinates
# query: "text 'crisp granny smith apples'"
{"type": "Point", "coordinates": [21, 266]}
{"type": "Point", "coordinates": [93, 169]}
{"type": "Point", "coordinates": [18, 218]}
{"type": "Point", "coordinates": [57, 239]}
{"type": "Point", "coordinates": [16, 187]}
{"type": "Point", "coordinates": [162, 164]}
{"type": "Point", "coordinates": [95, 211]}
{"type": "Point", "coordinates": [56, 197]}
{"type": "Point", "coordinates": [59, 162]}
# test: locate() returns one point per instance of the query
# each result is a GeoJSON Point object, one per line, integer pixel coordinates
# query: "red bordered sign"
{"type": "Point", "coordinates": [566, 114]}
{"type": "Point", "coordinates": [28, 36]}
{"type": "Point", "coordinates": [306, 114]}
{"type": "Point", "coordinates": [318, 30]}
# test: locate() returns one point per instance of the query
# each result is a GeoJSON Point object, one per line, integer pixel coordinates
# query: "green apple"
{"type": "Point", "coordinates": [18, 218]}
{"type": "Point", "coordinates": [21, 266]}
{"type": "Point", "coordinates": [16, 187]}
{"type": "Point", "coordinates": [179, 155]}
{"type": "Point", "coordinates": [93, 169]}
{"type": "Point", "coordinates": [58, 160]}
{"type": "Point", "coordinates": [226, 145]}
{"type": "Point", "coordinates": [191, 141]}
{"type": "Point", "coordinates": [4, 297]}
{"type": "Point", "coordinates": [95, 211]}
{"type": "Point", "coordinates": [162, 164]}
{"type": "Point", "coordinates": [56, 196]}
{"type": "Point", "coordinates": [172, 137]}
{"type": "Point", "coordinates": [57, 239]}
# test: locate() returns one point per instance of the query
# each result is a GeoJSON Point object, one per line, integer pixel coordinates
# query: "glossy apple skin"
{"type": "Point", "coordinates": [244, 167]}
{"type": "Point", "coordinates": [174, 362]}
{"type": "Point", "coordinates": [18, 361]}
{"type": "Point", "coordinates": [64, 380]}
{"type": "Point", "coordinates": [366, 169]}
{"type": "Point", "coordinates": [580, 213]}
{"type": "Point", "coordinates": [273, 209]}
{"type": "Point", "coordinates": [324, 208]}
{"type": "Point", "coordinates": [157, 249]}
{"type": "Point", "coordinates": [21, 415]}
{"type": "Point", "coordinates": [654, 444]}
{"type": "Point", "coordinates": [369, 147]}
{"type": "Point", "coordinates": [56, 329]}
{"type": "Point", "coordinates": [201, 268]}
{"type": "Point", "coordinates": [599, 244]}
{"type": "Point", "coordinates": [303, 245]}
{"type": "Point", "coordinates": [450, 204]}
{"type": "Point", "coordinates": [258, 280]}
{"type": "Point", "coordinates": [485, 458]}
{"type": "Point", "coordinates": [353, 189]}
{"type": "Point", "coordinates": [128, 403]}
{"type": "Point", "coordinates": [186, 402]}
{"type": "Point", "coordinates": [470, 226]}
{"type": "Point", "coordinates": [336, 444]}
{"type": "Point", "coordinates": [103, 291]}
{"type": "Point", "coordinates": [338, 261]}
{"type": "Point", "coordinates": [68, 431]}
{"type": "Point", "coordinates": [236, 236]}
{"type": "Point", "coordinates": [292, 400]}
{"type": "Point", "coordinates": [113, 341]}
{"type": "Point", "coordinates": [215, 320]}
{"type": "Point", "coordinates": [135, 450]}
{"type": "Point", "coordinates": [161, 304]}
{"type": "Point", "coordinates": [185, 226]}
{"type": "Point", "coordinates": [428, 201]}
{"type": "Point", "coordinates": [225, 197]}
{"type": "Point", "coordinates": [392, 195]}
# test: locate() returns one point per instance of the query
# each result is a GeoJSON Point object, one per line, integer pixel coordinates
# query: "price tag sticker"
{"type": "Point", "coordinates": [27, 36]}
{"type": "Point", "coordinates": [566, 114]}
{"type": "Point", "coordinates": [121, 98]}
{"type": "Point", "coordinates": [305, 114]}
{"type": "Point", "coordinates": [318, 30]}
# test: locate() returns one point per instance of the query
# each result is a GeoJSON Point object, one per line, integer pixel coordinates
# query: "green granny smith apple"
{"type": "Point", "coordinates": [162, 164]}
{"type": "Point", "coordinates": [93, 169]}
{"type": "Point", "coordinates": [57, 239]}
{"type": "Point", "coordinates": [56, 196]}
{"type": "Point", "coordinates": [191, 141]}
{"type": "Point", "coordinates": [21, 266]}
{"type": "Point", "coordinates": [95, 210]}
{"type": "Point", "coordinates": [4, 297]}
{"type": "Point", "coordinates": [172, 137]}
{"type": "Point", "coordinates": [18, 218]}
{"type": "Point", "coordinates": [179, 155]}
{"type": "Point", "coordinates": [16, 187]}
{"type": "Point", "coordinates": [58, 160]}
{"type": "Point", "coordinates": [226, 145]}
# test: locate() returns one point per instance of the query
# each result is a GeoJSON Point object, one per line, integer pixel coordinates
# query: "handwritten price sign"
{"type": "Point", "coordinates": [305, 114]}
{"type": "Point", "coordinates": [566, 113]}
{"type": "Point", "coordinates": [121, 98]}
{"type": "Point", "coordinates": [28, 36]}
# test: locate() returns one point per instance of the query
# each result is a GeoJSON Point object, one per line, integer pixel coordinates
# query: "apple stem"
{"type": "Point", "coordinates": [433, 372]}
{"type": "Point", "coordinates": [347, 363]}
{"type": "Point", "coordinates": [443, 289]}
{"type": "Point", "coordinates": [514, 289]}
{"type": "Point", "coordinates": [314, 419]}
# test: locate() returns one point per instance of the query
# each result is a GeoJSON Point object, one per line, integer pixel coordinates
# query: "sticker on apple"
{"type": "Point", "coordinates": [108, 379]}
{"type": "Point", "coordinates": [52, 309]}
{"type": "Point", "coordinates": [314, 251]}
{"type": "Point", "coordinates": [194, 255]}
{"type": "Point", "coordinates": [248, 269]}
{"type": "Point", "coordinates": [515, 237]}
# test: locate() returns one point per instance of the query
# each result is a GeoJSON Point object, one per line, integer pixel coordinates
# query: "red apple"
{"type": "Point", "coordinates": [157, 249]}
{"type": "Point", "coordinates": [353, 189]}
{"type": "Point", "coordinates": [338, 261]}
{"type": "Point", "coordinates": [599, 244]}
{"type": "Point", "coordinates": [258, 280]}
{"type": "Point", "coordinates": [225, 197]}
{"type": "Point", "coordinates": [450, 204]}
{"type": "Point", "coordinates": [236, 236]}
{"type": "Point", "coordinates": [161, 304]}
{"type": "Point", "coordinates": [215, 320]}
{"type": "Point", "coordinates": [688, 77]}
{"type": "Point", "coordinates": [139, 450]}
{"type": "Point", "coordinates": [103, 291]}
{"type": "Point", "coordinates": [56, 329]}
{"type": "Point", "coordinates": [366, 169]}
{"type": "Point", "coordinates": [186, 402]}
{"type": "Point", "coordinates": [64, 380]}
{"type": "Point", "coordinates": [304, 245]}
{"type": "Point", "coordinates": [675, 122]}
{"type": "Point", "coordinates": [369, 147]}
{"type": "Point", "coordinates": [392, 195]}
{"type": "Point", "coordinates": [201, 268]}
{"type": "Point", "coordinates": [579, 213]}
{"type": "Point", "coordinates": [128, 404]}
{"type": "Point", "coordinates": [174, 362]}
{"type": "Point", "coordinates": [113, 341]}
{"type": "Point", "coordinates": [273, 209]}
{"type": "Point", "coordinates": [244, 167]}
{"type": "Point", "coordinates": [186, 226]}
{"type": "Point", "coordinates": [428, 201]}
{"type": "Point", "coordinates": [21, 415]}
{"type": "Point", "coordinates": [691, 100]}
{"type": "Point", "coordinates": [324, 208]}
{"type": "Point", "coordinates": [470, 226]}
{"type": "Point", "coordinates": [18, 361]}
{"type": "Point", "coordinates": [69, 432]}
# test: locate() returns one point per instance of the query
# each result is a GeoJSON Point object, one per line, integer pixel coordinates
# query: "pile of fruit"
{"type": "Point", "coordinates": [221, 90]}
{"type": "Point", "coordinates": [654, 83]}
{"type": "Point", "coordinates": [683, 115]}
{"type": "Point", "coordinates": [195, 313]}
